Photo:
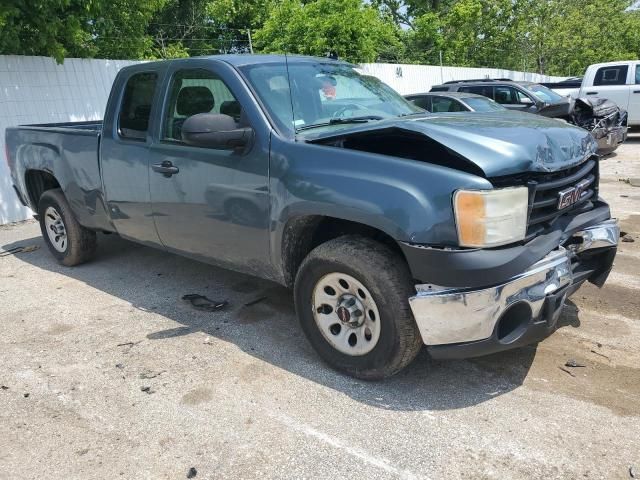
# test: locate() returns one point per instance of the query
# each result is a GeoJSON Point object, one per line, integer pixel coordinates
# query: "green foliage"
{"type": "Point", "coordinates": [353, 30]}
{"type": "Point", "coordinates": [56, 28]}
{"type": "Point", "coordinates": [559, 37]}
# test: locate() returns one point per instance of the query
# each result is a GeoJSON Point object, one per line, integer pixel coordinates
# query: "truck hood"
{"type": "Point", "coordinates": [499, 144]}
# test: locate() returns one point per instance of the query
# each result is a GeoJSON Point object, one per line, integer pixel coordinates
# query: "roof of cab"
{"type": "Point", "coordinates": [241, 60]}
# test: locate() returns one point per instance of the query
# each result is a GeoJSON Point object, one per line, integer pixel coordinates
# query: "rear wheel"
{"type": "Point", "coordinates": [69, 242]}
{"type": "Point", "coordinates": [351, 297]}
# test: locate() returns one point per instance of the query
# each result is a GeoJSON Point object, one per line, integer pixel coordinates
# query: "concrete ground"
{"type": "Point", "coordinates": [105, 373]}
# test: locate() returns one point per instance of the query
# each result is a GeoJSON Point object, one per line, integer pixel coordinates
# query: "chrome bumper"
{"type": "Point", "coordinates": [447, 316]}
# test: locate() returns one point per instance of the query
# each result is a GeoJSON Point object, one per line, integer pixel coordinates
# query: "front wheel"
{"type": "Point", "coordinates": [69, 242]}
{"type": "Point", "coordinates": [351, 297]}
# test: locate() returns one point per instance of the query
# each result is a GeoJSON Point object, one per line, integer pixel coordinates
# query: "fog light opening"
{"type": "Point", "coordinates": [513, 323]}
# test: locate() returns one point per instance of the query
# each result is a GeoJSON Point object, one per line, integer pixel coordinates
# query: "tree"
{"type": "Point", "coordinates": [353, 30]}
{"type": "Point", "coordinates": [55, 28]}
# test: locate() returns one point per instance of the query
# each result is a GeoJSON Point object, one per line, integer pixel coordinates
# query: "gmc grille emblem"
{"type": "Point", "coordinates": [569, 196]}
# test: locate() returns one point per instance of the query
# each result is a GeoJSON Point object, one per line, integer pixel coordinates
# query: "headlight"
{"type": "Point", "coordinates": [490, 218]}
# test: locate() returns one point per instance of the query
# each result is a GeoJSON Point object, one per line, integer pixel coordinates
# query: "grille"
{"type": "Point", "coordinates": [544, 193]}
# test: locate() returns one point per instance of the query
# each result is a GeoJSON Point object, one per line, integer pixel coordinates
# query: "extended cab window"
{"type": "Point", "coordinates": [196, 91]}
{"type": "Point", "coordinates": [616, 75]}
{"type": "Point", "coordinates": [637, 74]}
{"type": "Point", "coordinates": [133, 120]}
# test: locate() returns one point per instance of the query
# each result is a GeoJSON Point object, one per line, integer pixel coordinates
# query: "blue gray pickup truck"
{"type": "Point", "coordinates": [394, 227]}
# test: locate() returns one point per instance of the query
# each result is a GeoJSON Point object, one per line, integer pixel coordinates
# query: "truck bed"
{"type": "Point", "coordinates": [70, 152]}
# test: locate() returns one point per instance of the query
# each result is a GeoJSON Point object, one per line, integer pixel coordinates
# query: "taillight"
{"type": "Point", "coordinates": [6, 155]}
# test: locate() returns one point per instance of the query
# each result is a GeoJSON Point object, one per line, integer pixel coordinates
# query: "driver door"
{"type": "Point", "coordinates": [211, 204]}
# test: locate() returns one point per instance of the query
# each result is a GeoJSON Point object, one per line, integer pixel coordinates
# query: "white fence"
{"type": "Point", "coordinates": [37, 90]}
{"type": "Point", "coordinates": [408, 79]}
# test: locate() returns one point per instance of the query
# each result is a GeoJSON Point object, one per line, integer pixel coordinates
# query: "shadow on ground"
{"type": "Point", "coordinates": [153, 280]}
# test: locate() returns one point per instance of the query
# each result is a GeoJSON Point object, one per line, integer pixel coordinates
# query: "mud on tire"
{"type": "Point", "coordinates": [386, 278]}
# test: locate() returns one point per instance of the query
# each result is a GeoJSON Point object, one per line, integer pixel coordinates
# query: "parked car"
{"type": "Point", "coordinates": [438, 102]}
{"type": "Point", "coordinates": [607, 125]}
{"type": "Point", "coordinates": [394, 227]}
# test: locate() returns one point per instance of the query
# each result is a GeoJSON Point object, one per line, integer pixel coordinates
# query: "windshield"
{"type": "Point", "coordinates": [482, 104]}
{"type": "Point", "coordinates": [321, 94]}
{"type": "Point", "coordinates": [545, 94]}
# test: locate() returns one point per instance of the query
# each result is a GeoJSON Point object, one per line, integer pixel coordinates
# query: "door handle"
{"type": "Point", "coordinates": [636, 91]}
{"type": "Point", "coordinates": [592, 93]}
{"type": "Point", "coordinates": [166, 168]}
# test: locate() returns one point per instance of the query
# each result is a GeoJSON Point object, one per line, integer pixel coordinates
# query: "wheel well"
{"type": "Point", "coordinates": [303, 234]}
{"type": "Point", "coordinates": [38, 182]}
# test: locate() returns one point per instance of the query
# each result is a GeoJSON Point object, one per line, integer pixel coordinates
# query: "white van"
{"type": "Point", "coordinates": [617, 81]}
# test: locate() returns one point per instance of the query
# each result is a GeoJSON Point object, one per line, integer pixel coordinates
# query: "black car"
{"type": "Point", "coordinates": [606, 122]}
{"type": "Point", "coordinates": [454, 102]}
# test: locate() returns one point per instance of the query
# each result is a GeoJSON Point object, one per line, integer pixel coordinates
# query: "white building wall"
{"type": "Point", "coordinates": [37, 90]}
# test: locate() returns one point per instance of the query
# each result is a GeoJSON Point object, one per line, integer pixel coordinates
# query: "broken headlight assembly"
{"type": "Point", "coordinates": [491, 218]}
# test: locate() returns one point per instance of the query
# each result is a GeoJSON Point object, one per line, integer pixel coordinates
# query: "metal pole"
{"type": "Point", "coordinates": [441, 69]}
{"type": "Point", "coordinates": [250, 43]}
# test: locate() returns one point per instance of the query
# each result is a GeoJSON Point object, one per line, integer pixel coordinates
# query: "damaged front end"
{"type": "Point", "coordinates": [604, 119]}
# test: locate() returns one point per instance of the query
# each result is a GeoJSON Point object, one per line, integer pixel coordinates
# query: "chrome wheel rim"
{"type": "Point", "coordinates": [55, 229]}
{"type": "Point", "coordinates": [346, 314]}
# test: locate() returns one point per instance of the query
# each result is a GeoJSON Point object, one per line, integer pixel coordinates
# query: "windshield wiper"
{"type": "Point", "coordinates": [338, 121]}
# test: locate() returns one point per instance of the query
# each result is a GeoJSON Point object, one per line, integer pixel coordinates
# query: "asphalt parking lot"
{"type": "Point", "coordinates": [105, 373]}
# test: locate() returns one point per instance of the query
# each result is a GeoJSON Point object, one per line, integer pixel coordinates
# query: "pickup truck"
{"type": "Point", "coordinates": [395, 228]}
{"type": "Point", "coordinates": [618, 82]}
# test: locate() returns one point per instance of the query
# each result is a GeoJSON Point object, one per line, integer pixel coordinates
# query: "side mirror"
{"type": "Point", "coordinates": [214, 130]}
{"type": "Point", "coordinates": [526, 101]}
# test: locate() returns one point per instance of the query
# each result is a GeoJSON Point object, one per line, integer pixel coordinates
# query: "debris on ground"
{"type": "Point", "coordinates": [253, 302]}
{"type": "Point", "coordinates": [573, 364]}
{"type": "Point", "coordinates": [128, 344]}
{"type": "Point", "coordinates": [192, 472]}
{"type": "Point", "coordinates": [601, 354]}
{"type": "Point", "coordinates": [628, 239]}
{"type": "Point", "coordinates": [147, 389]}
{"type": "Point", "coordinates": [200, 302]}
{"type": "Point", "coordinates": [25, 395]}
{"type": "Point", "coordinates": [120, 365]}
{"type": "Point", "coordinates": [632, 472]}
{"type": "Point", "coordinates": [567, 371]}
{"type": "Point", "coordinates": [14, 250]}
{"type": "Point", "coordinates": [149, 374]}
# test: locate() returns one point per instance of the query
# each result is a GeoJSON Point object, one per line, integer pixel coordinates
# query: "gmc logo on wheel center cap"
{"type": "Point", "coordinates": [571, 195]}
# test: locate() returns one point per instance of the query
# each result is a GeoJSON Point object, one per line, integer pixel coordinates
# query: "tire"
{"type": "Point", "coordinates": [383, 283]}
{"type": "Point", "coordinates": [75, 244]}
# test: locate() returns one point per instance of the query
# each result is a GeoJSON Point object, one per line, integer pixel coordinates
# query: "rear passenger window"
{"type": "Point", "coordinates": [133, 120]}
{"type": "Point", "coordinates": [443, 104]}
{"type": "Point", "coordinates": [485, 91]}
{"type": "Point", "coordinates": [616, 75]}
{"type": "Point", "coordinates": [422, 102]}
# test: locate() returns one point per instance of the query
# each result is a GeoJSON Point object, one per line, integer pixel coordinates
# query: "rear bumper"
{"type": "Point", "coordinates": [466, 322]}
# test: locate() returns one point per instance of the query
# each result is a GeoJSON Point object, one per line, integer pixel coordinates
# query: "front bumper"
{"type": "Point", "coordinates": [609, 139]}
{"type": "Point", "coordinates": [465, 322]}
